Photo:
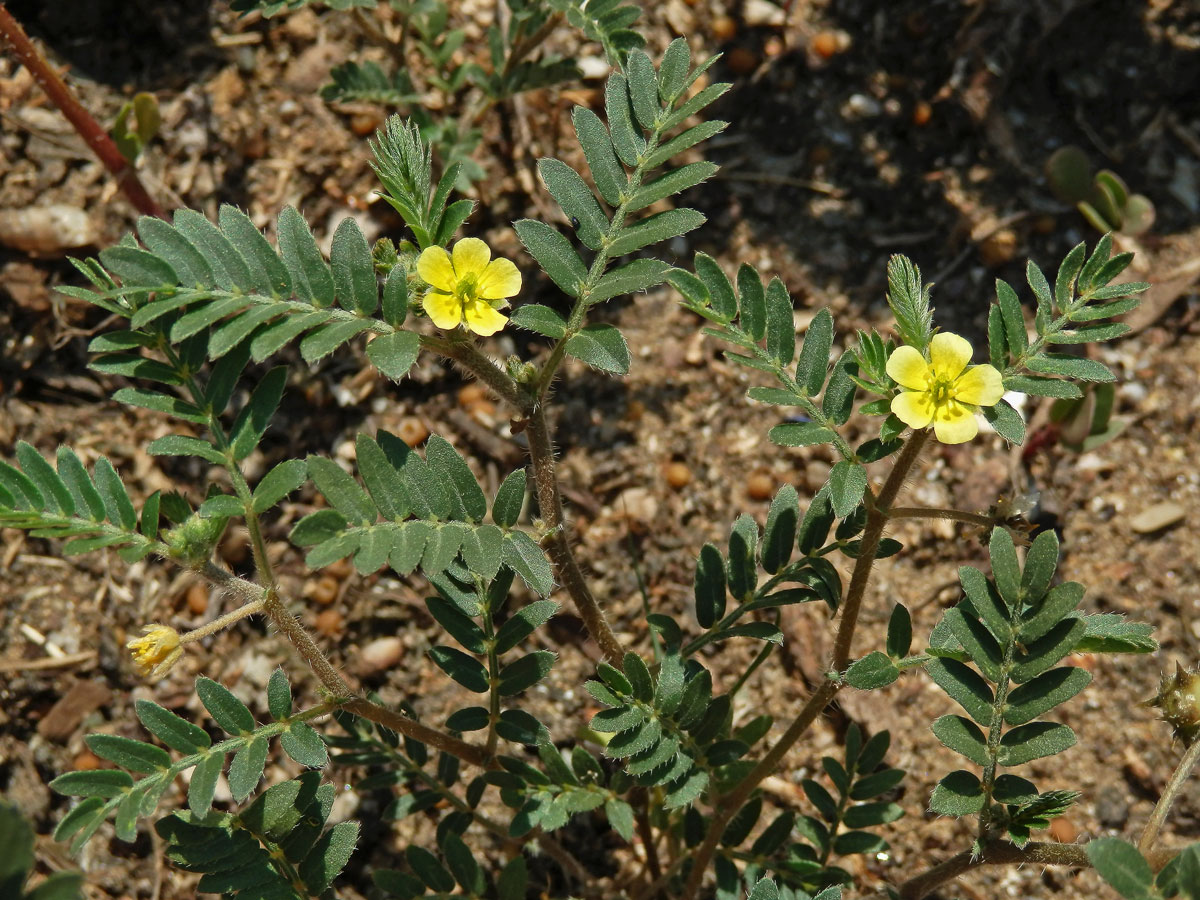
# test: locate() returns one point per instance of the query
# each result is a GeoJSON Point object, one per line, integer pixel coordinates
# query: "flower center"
{"type": "Point", "coordinates": [941, 391]}
{"type": "Point", "coordinates": [466, 288]}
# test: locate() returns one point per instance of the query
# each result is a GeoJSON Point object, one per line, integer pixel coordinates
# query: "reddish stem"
{"type": "Point", "coordinates": [83, 121]}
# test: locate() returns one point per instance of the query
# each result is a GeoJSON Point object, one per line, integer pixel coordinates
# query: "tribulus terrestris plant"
{"type": "Point", "coordinates": [665, 762]}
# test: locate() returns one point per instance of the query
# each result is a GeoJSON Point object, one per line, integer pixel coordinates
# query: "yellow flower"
{"type": "Point", "coordinates": [463, 284]}
{"type": "Point", "coordinates": [156, 650]}
{"type": "Point", "coordinates": [943, 391]}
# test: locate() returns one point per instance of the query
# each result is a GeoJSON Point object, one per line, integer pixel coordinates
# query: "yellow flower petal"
{"type": "Point", "coordinates": [444, 309]}
{"type": "Point", "coordinates": [482, 319]}
{"type": "Point", "coordinates": [908, 368]}
{"type": "Point", "coordinates": [434, 266]}
{"type": "Point", "coordinates": [949, 354]}
{"type": "Point", "coordinates": [980, 386]}
{"type": "Point", "coordinates": [954, 423]}
{"type": "Point", "coordinates": [913, 408]}
{"type": "Point", "coordinates": [471, 257]}
{"type": "Point", "coordinates": [500, 280]}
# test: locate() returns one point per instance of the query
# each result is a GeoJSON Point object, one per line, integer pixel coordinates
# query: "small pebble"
{"type": "Point", "coordinates": [1063, 831]}
{"type": "Point", "coordinates": [825, 44]}
{"type": "Point", "coordinates": [921, 114]}
{"type": "Point", "coordinates": [741, 60]}
{"type": "Point", "coordinates": [324, 590]}
{"type": "Point", "coordinates": [381, 653]}
{"type": "Point", "coordinates": [678, 474]}
{"type": "Point", "coordinates": [999, 248]}
{"type": "Point", "coordinates": [471, 393]}
{"type": "Point", "coordinates": [197, 599]}
{"type": "Point", "coordinates": [1112, 808]}
{"type": "Point", "coordinates": [412, 431]}
{"type": "Point", "coordinates": [86, 761]}
{"type": "Point", "coordinates": [1157, 517]}
{"type": "Point", "coordinates": [724, 28]}
{"type": "Point", "coordinates": [329, 622]}
{"type": "Point", "coordinates": [760, 486]}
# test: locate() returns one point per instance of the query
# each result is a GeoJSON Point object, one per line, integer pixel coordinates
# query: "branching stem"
{"type": "Point", "coordinates": [877, 517]}
{"type": "Point", "coordinates": [953, 515]}
{"type": "Point", "coordinates": [85, 124]}
{"type": "Point", "coordinates": [999, 853]}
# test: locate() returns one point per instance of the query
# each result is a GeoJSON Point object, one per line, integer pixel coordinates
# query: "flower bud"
{"type": "Point", "coordinates": [1178, 699]}
{"type": "Point", "coordinates": [193, 541]}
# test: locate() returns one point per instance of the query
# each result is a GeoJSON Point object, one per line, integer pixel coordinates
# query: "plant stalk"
{"type": "Point", "coordinates": [999, 853]}
{"type": "Point", "coordinates": [877, 517]}
{"type": "Point", "coordinates": [85, 124]}
{"type": "Point", "coordinates": [1170, 793]}
{"type": "Point", "coordinates": [953, 515]}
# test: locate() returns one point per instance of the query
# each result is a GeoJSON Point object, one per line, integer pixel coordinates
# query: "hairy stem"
{"type": "Point", "coordinates": [557, 540]}
{"type": "Point", "coordinates": [1178, 778]}
{"type": "Point", "coordinates": [247, 609]}
{"type": "Point", "coordinates": [999, 853]}
{"type": "Point", "coordinates": [84, 123]}
{"type": "Point", "coordinates": [464, 352]}
{"type": "Point", "coordinates": [275, 610]}
{"type": "Point", "coordinates": [877, 518]}
{"type": "Point", "coordinates": [953, 515]}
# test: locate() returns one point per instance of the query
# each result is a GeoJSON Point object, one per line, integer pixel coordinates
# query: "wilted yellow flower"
{"type": "Point", "coordinates": [943, 390]}
{"type": "Point", "coordinates": [156, 650]}
{"type": "Point", "coordinates": [463, 284]}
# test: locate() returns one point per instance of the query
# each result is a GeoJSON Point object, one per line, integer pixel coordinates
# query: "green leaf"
{"type": "Point", "coordinates": [779, 534]}
{"type": "Point", "coordinates": [1056, 606]}
{"type": "Point", "coordinates": [329, 856]}
{"type": "Point", "coordinates": [457, 624]}
{"type": "Point", "coordinates": [1034, 741]}
{"type": "Point", "coordinates": [325, 339]}
{"type": "Point", "coordinates": [1064, 282]}
{"type": "Point", "coordinates": [428, 869]}
{"type": "Point", "coordinates": [659, 227]}
{"type": "Point", "coordinates": [466, 496]}
{"type": "Point", "coordinates": [752, 302]}
{"type": "Point", "coordinates": [576, 200]}
{"type": "Point", "coordinates": [279, 695]}
{"type": "Point", "coordinates": [204, 783]}
{"type": "Point", "coordinates": [104, 783]}
{"type": "Point", "coordinates": [164, 403]}
{"type": "Point", "coordinates": [286, 477]}
{"type": "Point", "coordinates": [639, 275]}
{"type": "Point", "coordinates": [1050, 689]}
{"type": "Point", "coordinates": [1077, 367]}
{"type": "Point", "coordinates": [963, 685]}
{"type": "Point", "coordinates": [602, 347]}
{"type": "Point", "coordinates": [247, 768]}
{"type": "Point", "coordinates": [598, 149]}
{"type": "Point", "coordinates": [683, 141]}
{"type": "Point", "coordinates": [781, 326]}
{"type": "Point", "coordinates": [464, 669]}
{"type": "Point", "coordinates": [226, 263]}
{"type": "Point", "coordinates": [909, 300]}
{"type": "Point", "coordinates": [962, 736]}
{"type": "Point", "coordinates": [84, 492]}
{"type": "Point", "coordinates": [525, 672]}
{"type": "Point", "coordinates": [128, 753]}
{"type": "Point", "coordinates": [1047, 650]}
{"type": "Point", "coordinates": [847, 483]}
{"type": "Point", "coordinates": [720, 289]}
{"type": "Point", "coordinates": [177, 733]}
{"type": "Point", "coordinates": [136, 267]}
{"type": "Point", "coordinates": [1009, 305]}
{"type": "Point", "coordinates": [185, 445]}
{"type": "Point", "coordinates": [554, 254]}
{"type": "Point", "coordinates": [1006, 570]}
{"type": "Point", "coordinates": [1110, 633]}
{"type": "Point", "coordinates": [709, 586]}
{"type": "Point", "coordinates": [177, 251]}
{"type": "Point", "coordinates": [227, 711]}
{"type": "Point", "coordinates": [1039, 386]}
{"type": "Point", "coordinates": [268, 272]}
{"type": "Point", "coordinates": [838, 401]}
{"type": "Point", "coordinates": [673, 70]}
{"type": "Point", "coordinates": [394, 354]}
{"type": "Point", "coordinates": [875, 670]}
{"type": "Point", "coordinates": [799, 434]}
{"type": "Point", "coordinates": [620, 817]}
{"type": "Point", "coordinates": [311, 279]}
{"type": "Point", "coordinates": [304, 745]}
{"type": "Point", "coordinates": [958, 794]}
{"type": "Point", "coordinates": [254, 419]}
{"type": "Point", "coordinates": [48, 482]}
{"type": "Point", "coordinates": [643, 88]}
{"type": "Point", "coordinates": [117, 504]}
{"type": "Point", "coordinates": [525, 557]}
{"type": "Point", "coordinates": [1121, 865]}
{"type": "Point", "coordinates": [977, 641]}
{"type": "Point", "coordinates": [627, 140]}
{"type": "Point", "coordinates": [540, 319]}
{"type": "Point", "coordinates": [353, 270]}
{"type": "Point", "coordinates": [510, 497]}
{"type": "Point", "coordinates": [523, 623]}
{"type": "Point", "coordinates": [1007, 421]}
{"type": "Point", "coordinates": [395, 296]}
{"type": "Point", "coordinates": [342, 491]}
{"type": "Point", "coordinates": [674, 182]}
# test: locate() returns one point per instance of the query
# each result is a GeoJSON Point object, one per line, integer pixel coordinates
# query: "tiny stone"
{"type": "Point", "coordinates": [760, 486]}
{"type": "Point", "coordinates": [678, 474]}
{"type": "Point", "coordinates": [329, 622]}
{"type": "Point", "coordinates": [761, 13]}
{"type": "Point", "coordinates": [1112, 809]}
{"type": "Point", "coordinates": [1157, 517]}
{"type": "Point", "coordinates": [380, 654]}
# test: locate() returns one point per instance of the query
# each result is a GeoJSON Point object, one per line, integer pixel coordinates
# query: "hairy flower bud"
{"type": "Point", "coordinates": [193, 541]}
{"type": "Point", "coordinates": [156, 651]}
{"type": "Point", "coordinates": [1178, 699]}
